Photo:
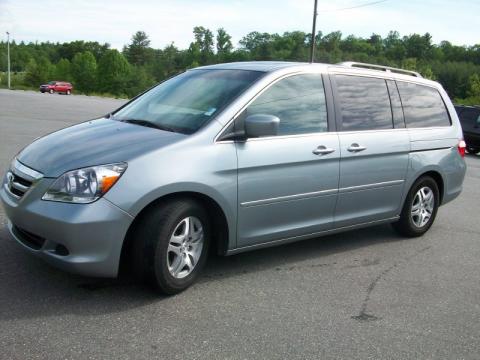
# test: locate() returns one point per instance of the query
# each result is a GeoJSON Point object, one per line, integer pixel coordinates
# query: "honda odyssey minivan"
{"type": "Point", "coordinates": [236, 157]}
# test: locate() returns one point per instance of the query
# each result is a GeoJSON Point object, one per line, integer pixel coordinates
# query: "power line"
{"type": "Point", "coordinates": [353, 7]}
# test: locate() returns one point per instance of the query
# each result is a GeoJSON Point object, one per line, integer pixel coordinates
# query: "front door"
{"type": "Point", "coordinates": [287, 184]}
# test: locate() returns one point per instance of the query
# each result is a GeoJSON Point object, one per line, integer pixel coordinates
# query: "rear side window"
{"type": "Point", "coordinates": [298, 101]}
{"type": "Point", "coordinates": [364, 103]}
{"type": "Point", "coordinates": [422, 105]}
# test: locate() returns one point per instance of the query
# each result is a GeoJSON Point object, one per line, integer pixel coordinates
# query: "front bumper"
{"type": "Point", "coordinates": [85, 239]}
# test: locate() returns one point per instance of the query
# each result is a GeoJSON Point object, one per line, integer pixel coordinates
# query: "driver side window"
{"type": "Point", "coordinates": [298, 101]}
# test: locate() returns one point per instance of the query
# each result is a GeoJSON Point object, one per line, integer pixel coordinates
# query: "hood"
{"type": "Point", "coordinates": [92, 143]}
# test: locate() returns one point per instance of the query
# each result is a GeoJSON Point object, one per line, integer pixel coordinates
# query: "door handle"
{"type": "Point", "coordinates": [322, 150]}
{"type": "Point", "coordinates": [356, 148]}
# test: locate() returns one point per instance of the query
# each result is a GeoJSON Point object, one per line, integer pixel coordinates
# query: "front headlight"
{"type": "Point", "coordinates": [85, 185]}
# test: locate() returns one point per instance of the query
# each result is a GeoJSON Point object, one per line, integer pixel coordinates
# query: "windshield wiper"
{"type": "Point", "coordinates": [147, 124]}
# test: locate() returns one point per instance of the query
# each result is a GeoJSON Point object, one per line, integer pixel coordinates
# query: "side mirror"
{"type": "Point", "coordinates": [259, 125]}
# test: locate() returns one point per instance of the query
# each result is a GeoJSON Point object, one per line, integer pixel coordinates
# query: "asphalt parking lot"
{"type": "Point", "coordinates": [364, 294]}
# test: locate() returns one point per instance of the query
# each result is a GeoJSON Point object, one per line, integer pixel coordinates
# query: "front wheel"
{"type": "Point", "coordinates": [171, 245]}
{"type": "Point", "coordinates": [68, 92]}
{"type": "Point", "coordinates": [51, 91]}
{"type": "Point", "coordinates": [420, 208]}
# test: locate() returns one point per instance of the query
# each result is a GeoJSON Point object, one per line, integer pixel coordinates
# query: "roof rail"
{"type": "Point", "coordinates": [379, 68]}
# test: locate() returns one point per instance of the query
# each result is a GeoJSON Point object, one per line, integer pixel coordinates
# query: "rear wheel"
{"type": "Point", "coordinates": [51, 91]}
{"type": "Point", "coordinates": [68, 92]}
{"type": "Point", "coordinates": [420, 208]}
{"type": "Point", "coordinates": [171, 245]}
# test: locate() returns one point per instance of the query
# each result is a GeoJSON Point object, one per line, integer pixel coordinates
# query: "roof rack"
{"type": "Point", "coordinates": [379, 68]}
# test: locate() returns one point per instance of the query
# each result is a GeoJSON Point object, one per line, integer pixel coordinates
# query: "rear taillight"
{"type": "Point", "coordinates": [461, 148]}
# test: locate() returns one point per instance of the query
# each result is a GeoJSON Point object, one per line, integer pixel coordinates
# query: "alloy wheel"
{"type": "Point", "coordinates": [185, 247]}
{"type": "Point", "coordinates": [422, 206]}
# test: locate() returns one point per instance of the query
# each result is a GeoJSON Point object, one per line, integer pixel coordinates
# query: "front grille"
{"type": "Point", "coordinates": [31, 240]}
{"type": "Point", "coordinates": [20, 178]}
{"type": "Point", "coordinates": [17, 185]}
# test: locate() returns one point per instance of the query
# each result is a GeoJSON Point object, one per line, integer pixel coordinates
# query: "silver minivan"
{"type": "Point", "coordinates": [236, 157]}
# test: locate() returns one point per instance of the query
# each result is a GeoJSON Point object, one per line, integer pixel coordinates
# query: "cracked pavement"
{"type": "Point", "coordinates": [365, 294]}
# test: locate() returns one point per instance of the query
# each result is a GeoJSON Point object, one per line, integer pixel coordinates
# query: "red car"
{"type": "Point", "coordinates": [57, 86]}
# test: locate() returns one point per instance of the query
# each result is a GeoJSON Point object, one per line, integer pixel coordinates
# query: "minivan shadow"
{"type": "Point", "coordinates": [33, 289]}
{"type": "Point", "coordinates": [285, 256]}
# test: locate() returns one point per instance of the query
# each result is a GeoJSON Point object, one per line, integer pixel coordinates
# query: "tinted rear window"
{"type": "Point", "coordinates": [364, 103]}
{"type": "Point", "coordinates": [422, 105]}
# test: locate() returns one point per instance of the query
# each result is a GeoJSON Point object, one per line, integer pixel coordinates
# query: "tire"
{"type": "Point", "coordinates": [473, 150]}
{"type": "Point", "coordinates": [50, 91]}
{"type": "Point", "coordinates": [68, 92]}
{"type": "Point", "coordinates": [162, 254]}
{"type": "Point", "coordinates": [411, 225]}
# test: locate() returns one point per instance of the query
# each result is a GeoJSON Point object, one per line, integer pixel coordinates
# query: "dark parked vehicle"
{"type": "Point", "coordinates": [470, 119]}
{"type": "Point", "coordinates": [57, 86]}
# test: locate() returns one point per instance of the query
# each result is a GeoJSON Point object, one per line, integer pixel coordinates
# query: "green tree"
{"type": "Point", "coordinates": [454, 76]}
{"type": "Point", "coordinates": [224, 43]}
{"type": "Point", "coordinates": [331, 42]}
{"type": "Point", "coordinates": [137, 81]}
{"type": "Point", "coordinates": [259, 45]}
{"type": "Point", "coordinates": [166, 62]}
{"type": "Point", "coordinates": [452, 65]}
{"type": "Point", "coordinates": [63, 70]}
{"type": "Point", "coordinates": [474, 86]}
{"type": "Point", "coordinates": [418, 46]}
{"type": "Point", "coordinates": [376, 44]}
{"type": "Point", "coordinates": [394, 46]}
{"type": "Point", "coordinates": [69, 50]}
{"type": "Point", "coordinates": [113, 73]}
{"type": "Point", "coordinates": [192, 56]}
{"type": "Point", "coordinates": [138, 52]}
{"type": "Point", "coordinates": [84, 70]}
{"type": "Point", "coordinates": [410, 64]}
{"type": "Point", "coordinates": [291, 46]}
{"type": "Point", "coordinates": [204, 42]}
{"type": "Point", "coordinates": [38, 73]}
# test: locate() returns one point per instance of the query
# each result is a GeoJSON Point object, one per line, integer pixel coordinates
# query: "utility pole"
{"type": "Point", "coordinates": [314, 26]}
{"type": "Point", "coordinates": [8, 57]}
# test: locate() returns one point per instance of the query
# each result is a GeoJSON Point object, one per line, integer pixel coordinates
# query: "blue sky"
{"type": "Point", "coordinates": [114, 21]}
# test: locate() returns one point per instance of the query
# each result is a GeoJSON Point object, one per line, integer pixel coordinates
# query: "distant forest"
{"type": "Point", "coordinates": [95, 68]}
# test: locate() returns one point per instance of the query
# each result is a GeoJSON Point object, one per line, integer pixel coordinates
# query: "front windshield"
{"type": "Point", "coordinates": [188, 101]}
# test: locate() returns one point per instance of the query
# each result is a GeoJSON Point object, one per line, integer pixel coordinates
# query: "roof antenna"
{"type": "Point", "coordinates": [312, 43]}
